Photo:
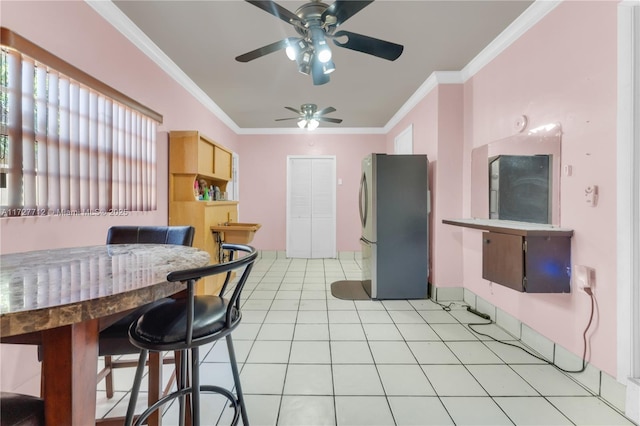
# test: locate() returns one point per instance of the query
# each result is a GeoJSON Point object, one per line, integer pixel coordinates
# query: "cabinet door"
{"type": "Point", "coordinates": [205, 157]}
{"type": "Point", "coordinates": [503, 259]}
{"type": "Point", "coordinates": [548, 265]}
{"type": "Point", "coordinates": [222, 160]}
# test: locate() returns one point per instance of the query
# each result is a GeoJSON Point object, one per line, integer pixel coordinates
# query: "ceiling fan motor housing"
{"type": "Point", "coordinates": [311, 15]}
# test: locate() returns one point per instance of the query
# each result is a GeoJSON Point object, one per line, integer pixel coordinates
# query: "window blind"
{"type": "Point", "coordinates": [67, 147]}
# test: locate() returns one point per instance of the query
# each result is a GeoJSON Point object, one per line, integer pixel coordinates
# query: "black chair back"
{"type": "Point", "coordinates": [178, 235]}
{"type": "Point", "coordinates": [232, 304]}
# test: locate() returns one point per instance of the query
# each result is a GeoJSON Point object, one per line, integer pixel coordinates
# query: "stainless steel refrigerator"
{"type": "Point", "coordinates": [394, 209]}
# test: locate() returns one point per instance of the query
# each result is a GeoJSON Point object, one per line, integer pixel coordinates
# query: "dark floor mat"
{"type": "Point", "coordinates": [349, 290]}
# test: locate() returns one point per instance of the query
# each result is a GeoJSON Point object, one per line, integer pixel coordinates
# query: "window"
{"type": "Point", "coordinates": [68, 143]}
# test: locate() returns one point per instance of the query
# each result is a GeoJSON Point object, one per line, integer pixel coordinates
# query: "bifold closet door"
{"type": "Point", "coordinates": [311, 207]}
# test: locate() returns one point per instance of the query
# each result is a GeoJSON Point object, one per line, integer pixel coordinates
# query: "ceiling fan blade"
{"type": "Point", "coordinates": [327, 110]}
{"type": "Point", "coordinates": [276, 10]}
{"type": "Point", "coordinates": [293, 109]}
{"type": "Point", "coordinates": [372, 46]}
{"type": "Point", "coordinates": [344, 9]}
{"type": "Point", "coordinates": [265, 50]}
{"type": "Point", "coordinates": [329, 119]}
{"type": "Point", "coordinates": [291, 118]}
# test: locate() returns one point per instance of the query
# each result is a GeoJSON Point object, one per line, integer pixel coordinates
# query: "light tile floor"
{"type": "Point", "coordinates": [308, 358]}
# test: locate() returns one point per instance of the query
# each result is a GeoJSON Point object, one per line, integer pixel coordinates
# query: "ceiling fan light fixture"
{"type": "Point", "coordinates": [309, 117]}
{"type": "Point", "coordinates": [314, 21]}
{"type": "Point", "coordinates": [294, 50]}
{"type": "Point", "coordinates": [304, 62]}
{"type": "Point", "coordinates": [320, 46]}
{"type": "Point", "coordinates": [291, 53]}
{"type": "Point", "coordinates": [328, 67]}
{"type": "Point", "coordinates": [304, 68]}
{"type": "Point", "coordinates": [324, 54]}
{"type": "Point", "coordinates": [313, 124]}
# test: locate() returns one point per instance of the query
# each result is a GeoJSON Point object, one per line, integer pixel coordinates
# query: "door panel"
{"type": "Point", "coordinates": [311, 210]}
{"type": "Point", "coordinates": [322, 208]}
{"type": "Point", "coordinates": [299, 241]}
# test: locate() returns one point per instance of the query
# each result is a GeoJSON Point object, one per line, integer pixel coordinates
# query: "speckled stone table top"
{"type": "Point", "coordinates": [44, 289]}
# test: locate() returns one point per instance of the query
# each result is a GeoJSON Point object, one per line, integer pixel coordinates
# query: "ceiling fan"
{"type": "Point", "coordinates": [316, 22]}
{"type": "Point", "coordinates": [309, 117]}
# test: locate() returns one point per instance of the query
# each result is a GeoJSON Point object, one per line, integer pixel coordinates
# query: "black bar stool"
{"type": "Point", "coordinates": [21, 410]}
{"type": "Point", "coordinates": [114, 340]}
{"type": "Point", "coordinates": [185, 325]}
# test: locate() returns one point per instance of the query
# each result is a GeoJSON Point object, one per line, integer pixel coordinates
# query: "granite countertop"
{"type": "Point", "coordinates": [50, 288]}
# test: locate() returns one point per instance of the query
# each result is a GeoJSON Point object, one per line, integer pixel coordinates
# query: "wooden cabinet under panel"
{"type": "Point", "coordinates": [526, 257]}
{"type": "Point", "coordinates": [194, 157]}
{"type": "Point", "coordinates": [502, 259]}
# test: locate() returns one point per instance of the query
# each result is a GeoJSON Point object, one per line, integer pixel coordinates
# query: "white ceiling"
{"type": "Point", "coordinates": [203, 38]}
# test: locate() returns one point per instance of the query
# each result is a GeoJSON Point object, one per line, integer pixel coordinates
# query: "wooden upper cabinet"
{"type": "Point", "coordinates": [193, 153]}
{"type": "Point", "coordinates": [193, 156]}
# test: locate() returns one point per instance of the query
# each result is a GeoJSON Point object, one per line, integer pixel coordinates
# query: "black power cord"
{"type": "Point", "coordinates": [487, 317]}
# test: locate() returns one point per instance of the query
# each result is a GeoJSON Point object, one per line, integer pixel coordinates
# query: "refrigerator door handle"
{"type": "Point", "coordinates": [364, 191]}
{"type": "Point", "coordinates": [364, 240]}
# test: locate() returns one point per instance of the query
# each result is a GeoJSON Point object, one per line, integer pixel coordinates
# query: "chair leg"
{"type": "Point", "coordinates": [195, 385]}
{"type": "Point", "coordinates": [181, 383]}
{"type": "Point", "coordinates": [142, 362]}
{"type": "Point", "coordinates": [108, 378]}
{"type": "Point", "coordinates": [154, 377]}
{"type": "Point", "coordinates": [236, 379]}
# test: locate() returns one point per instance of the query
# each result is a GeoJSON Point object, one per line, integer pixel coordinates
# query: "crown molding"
{"type": "Point", "coordinates": [531, 16]}
{"type": "Point", "coordinates": [523, 23]}
{"type": "Point", "coordinates": [322, 131]}
{"type": "Point", "coordinates": [436, 78]}
{"type": "Point", "coordinates": [122, 23]}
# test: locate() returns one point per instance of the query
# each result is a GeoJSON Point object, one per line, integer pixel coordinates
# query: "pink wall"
{"type": "Point", "coordinates": [74, 32]}
{"type": "Point", "coordinates": [263, 182]}
{"type": "Point", "coordinates": [562, 70]}
{"type": "Point", "coordinates": [437, 122]}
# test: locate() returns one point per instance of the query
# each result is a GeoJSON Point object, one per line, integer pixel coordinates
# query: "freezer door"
{"type": "Point", "coordinates": [369, 266]}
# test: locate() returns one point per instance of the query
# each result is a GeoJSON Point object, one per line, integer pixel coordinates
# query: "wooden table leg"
{"type": "Point", "coordinates": [70, 364]}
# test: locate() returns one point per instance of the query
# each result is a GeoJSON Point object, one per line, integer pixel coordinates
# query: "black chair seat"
{"type": "Point", "coordinates": [114, 340]}
{"type": "Point", "coordinates": [165, 326]}
{"type": "Point", "coordinates": [21, 410]}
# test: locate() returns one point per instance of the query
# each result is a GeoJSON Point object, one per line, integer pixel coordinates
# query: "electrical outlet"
{"type": "Point", "coordinates": [584, 277]}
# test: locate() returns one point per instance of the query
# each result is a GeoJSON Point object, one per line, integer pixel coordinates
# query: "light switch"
{"type": "Point", "coordinates": [568, 170]}
{"type": "Point", "coordinates": [591, 195]}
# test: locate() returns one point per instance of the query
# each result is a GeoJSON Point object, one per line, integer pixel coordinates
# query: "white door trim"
{"type": "Point", "coordinates": [628, 204]}
{"type": "Point", "coordinates": [403, 143]}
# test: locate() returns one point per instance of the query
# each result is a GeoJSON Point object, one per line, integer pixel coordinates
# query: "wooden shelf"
{"type": "Point", "coordinates": [526, 257]}
{"type": "Point", "coordinates": [193, 156]}
{"type": "Point", "coordinates": [524, 229]}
